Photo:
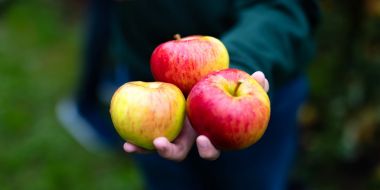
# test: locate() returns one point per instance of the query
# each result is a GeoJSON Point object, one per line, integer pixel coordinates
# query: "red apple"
{"type": "Point", "coordinates": [143, 111]}
{"type": "Point", "coordinates": [230, 108]}
{"type": "Point", "coordinates": [185, 61]}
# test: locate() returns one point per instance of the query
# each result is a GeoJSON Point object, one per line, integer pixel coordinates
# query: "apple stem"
{"type": "Point", "coordinates": [177, 36]}
{"type": "Point", "coordinates": [237, 86]}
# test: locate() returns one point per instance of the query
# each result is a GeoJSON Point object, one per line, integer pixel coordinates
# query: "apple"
{"type": "Point", "coordinates": [142, 111]}
{"type": "Point", "coordinates": [230, 108]}
{"type": "Point", "coordinates": [184, 61]}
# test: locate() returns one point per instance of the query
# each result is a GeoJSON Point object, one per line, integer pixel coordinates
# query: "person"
{"type": "Point", "coordinates": [271, 39]}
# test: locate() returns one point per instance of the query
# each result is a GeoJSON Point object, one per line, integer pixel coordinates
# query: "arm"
{"type": "Point", "coordinates": [273, 36]}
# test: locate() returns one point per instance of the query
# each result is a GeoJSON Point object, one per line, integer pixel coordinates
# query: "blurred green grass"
{"type": "Point", "coordinates": [39, 59]}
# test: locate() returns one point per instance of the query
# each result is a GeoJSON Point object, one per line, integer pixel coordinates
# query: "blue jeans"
{"type": "Point", "coordinates": [265, 165]}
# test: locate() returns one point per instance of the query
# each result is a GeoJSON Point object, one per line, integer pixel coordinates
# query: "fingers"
{"type": "Point", "coordinates": [170, 151]}
{"type": "Point", "coordinates": [206, 150]}
{"type": "Point", "coordinates": [266, 86]}
{"type": "Point", "coordinates": [131, 148]}
{"type": "Point", "coordinates": [260, 78]}
{"type": "Point", "coordinates": [166, 149]}
{"type": "Point", "coordinates": [180, 147]}
{"type": "Point", "coordinates": [176, 150]}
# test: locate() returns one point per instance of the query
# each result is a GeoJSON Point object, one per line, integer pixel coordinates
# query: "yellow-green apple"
{"type": "Point", "coordinates": [184, 61]}
{"type": "Point", "coordinates": [143, 111]}
{"type": "Point", "coordinates": [230, 108]}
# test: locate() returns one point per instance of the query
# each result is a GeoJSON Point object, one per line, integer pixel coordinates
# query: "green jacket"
{"type": "Point", "coordinates": [274, 36]}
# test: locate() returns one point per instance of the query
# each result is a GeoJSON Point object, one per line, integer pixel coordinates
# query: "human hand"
{"type": "Point", "coordinates": [261, 79]}
{"type": "Point", "coordinates": [180, 147]}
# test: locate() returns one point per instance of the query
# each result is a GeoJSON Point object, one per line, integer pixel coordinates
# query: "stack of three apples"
{"type": "Point", "coordinates": [227, 105]}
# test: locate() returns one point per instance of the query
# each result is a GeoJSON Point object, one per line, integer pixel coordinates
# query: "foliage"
{"type": "Point", "coordinates": [38, 63]}
{"type": "Point", "coordinates": [340, 123]}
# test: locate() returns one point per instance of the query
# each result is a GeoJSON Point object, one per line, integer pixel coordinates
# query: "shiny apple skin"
{"type": "Point", "coordinates": [143, 111]}
{"type": "Point", "coordinates": [185, 61]}
{"type": "Point", "coordinates": [232, 118]}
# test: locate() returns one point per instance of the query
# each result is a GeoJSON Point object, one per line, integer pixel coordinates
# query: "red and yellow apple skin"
{"type": "Point", "coordinates": [184, 61]}
{"type": "Point", "coordinates": [143, 111]}
{"type": "Point", "coordinates": [230, 108]}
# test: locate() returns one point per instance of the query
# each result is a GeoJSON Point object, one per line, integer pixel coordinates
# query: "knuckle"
{"type": "Point", "coordinates": [174, 155]}
{"type": "Point", "coordinates": [209, 155]}
{"type": "Point", "coordinates": [180, 156]}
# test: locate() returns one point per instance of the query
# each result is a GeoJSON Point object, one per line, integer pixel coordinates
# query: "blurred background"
{"type": "Point", "coordinates": [40, 50]}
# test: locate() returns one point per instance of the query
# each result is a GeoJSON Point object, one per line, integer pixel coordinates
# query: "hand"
{"type": "Point", "coordinates": [260, 78]}
{"type": "Point", "coordinates": [180, 147]}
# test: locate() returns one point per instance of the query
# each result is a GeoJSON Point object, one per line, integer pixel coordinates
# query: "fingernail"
{"type": "Point", "coordinates": [160, 147]}
{"type": "Point", "coordinates": [203, 145]}
{"type": "Point", "coordinates": [259, 73]}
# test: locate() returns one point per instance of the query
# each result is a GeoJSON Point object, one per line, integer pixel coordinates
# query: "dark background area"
{"type": "Point", "coordinates": [40, 51]}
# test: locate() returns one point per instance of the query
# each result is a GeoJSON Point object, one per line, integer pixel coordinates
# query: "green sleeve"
{"type": "Point", "coordinates": [271, 36]}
